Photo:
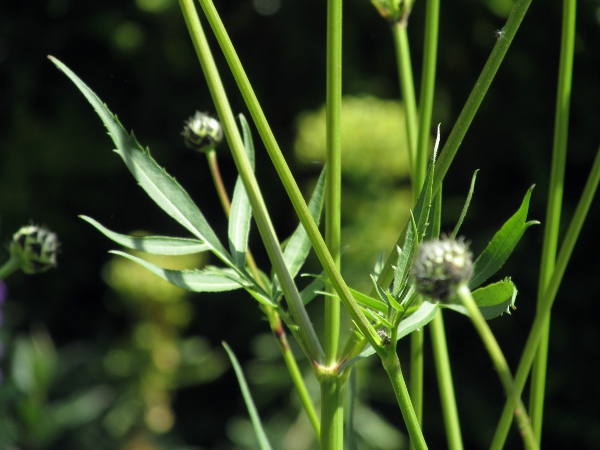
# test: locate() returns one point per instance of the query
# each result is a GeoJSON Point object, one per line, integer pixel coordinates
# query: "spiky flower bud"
{"type": "Point", "coordinates": [441, 266]}
{"type": "Point", "coordinates": [202, 132]}
{"type": "Point", "coordinates": [35, 248]}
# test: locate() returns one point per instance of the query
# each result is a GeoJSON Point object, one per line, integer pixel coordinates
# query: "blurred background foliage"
{"type": "Point", "coordinates": [99, 354]}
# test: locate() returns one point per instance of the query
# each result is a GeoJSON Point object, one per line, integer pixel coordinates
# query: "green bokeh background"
{"type": "Point", "coordinates": [147, 370]}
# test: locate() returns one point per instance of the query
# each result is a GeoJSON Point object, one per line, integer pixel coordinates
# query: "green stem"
{"type": "Point", "coordinates": [417, 340]}
{"type": "Point", "coordinates": [309, 340]}
{"type": "Point", "coordinates": [332, 429]}
{"type": "Point", "coordinates": [272, 315]}
{"type": "Point", "coordinates": [288, 180]}
{"type": "Point", "coordinates": [478, 93]}
{"type": "Point", "coordinates": [555, 194]}
{"type": "Point", "coordinates": [407, 89]}
{"type": "Point", "coordinates": [445, 384]}
{"type": "Point", "coordinates": [432, 21]}
{"type": "Point", "coordinates": [539, 325]}
{"type": "Point", "coordinates": [293, 369]}
{"type": "Point", "coordinates": [392, 367]}
{"type": "Point", "coordinates": [333, 167]}
{"type": "Point", "coordinates": [332, 411]}
{"type": "Point", "coordinates": [12, 265]}
{"type": "Point", "coordinates": [211, 156]}
{"type": "Point", "coordinates": [500, 364]}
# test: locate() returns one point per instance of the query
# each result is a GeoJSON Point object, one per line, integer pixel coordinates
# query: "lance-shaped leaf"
{"type": "Point", "coordinates": [493, 300]}
{"type": "Point", "coordinates": [502, 244]}
{"type": "Point", "coordinates": [261, 437]}
{"type": "Point", "coordinates": [418, 319]}
{"type": "Point", "coordinates": [241, 211]}
{"type": "Point", "coordinates": [298, 245]}
{"type": "Point", "coordinates": [157, 245]}
{"type": "Point", "coordinates": [209, 279]}
{"type": "Point", "coordinates": [158, 184]}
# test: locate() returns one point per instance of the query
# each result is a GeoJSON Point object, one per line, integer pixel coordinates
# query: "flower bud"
{"type": "Point", "coordinates": [202, 132]}
{"type": "Point", "coordinates": [441, 266]}
{"type": "Point", "coordinates": [35, 248]}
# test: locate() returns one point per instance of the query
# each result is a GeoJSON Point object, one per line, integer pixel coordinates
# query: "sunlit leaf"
{"type": "Point", "coordinates": [502, 244]}
{"type": "Point", "coordinates": [157, 245]}
{"type": "Point", "coordinates": [158, 184]}
{"type": "Point", "coordinates": [493, 300]}
{"type": "Point", "coordinates": [241, 211]}
{"type": "Point", "coordinates": [209, 279]}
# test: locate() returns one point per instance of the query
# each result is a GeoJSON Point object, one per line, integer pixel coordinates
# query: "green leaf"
{"type": "Point", "coordinates": [418, 319]}
{"type": "Point", "coordinates": [502, 244]}
{"type": "Point", "coordinates": [157, 245]}
{"type": "Point", "coordinates": [209, 279]}
{"type": "Point", "coordinates": [259, 431]}
{"type": "Point", "coordinates": [241, 210]}
{"type": "Point", "coordinates": [310, 292]}
{"type": "Point", "coordinates": [493, 300]}
{"type": "Point", "coordinates": [298, 245]}
{"type": "Point", "coordinates": [369, 302]}
{"type": "Point", "coordinates": [158, 184]}
{"type": "Point", "coordinates": [463, 213]}
{"type": "Point", "coordinates": [415, 230]}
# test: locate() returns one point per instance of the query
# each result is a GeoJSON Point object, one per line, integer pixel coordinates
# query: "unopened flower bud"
{"type": "Point", "coordinates": [202, 132]}
{"type": "Point", "coordinates": [35, 248]}
{"type": "Point", "coordinates": [441, 266]}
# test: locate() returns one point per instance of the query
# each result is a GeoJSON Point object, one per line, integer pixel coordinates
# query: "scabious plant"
{"type": "Point", "coordinates": [421, 276]}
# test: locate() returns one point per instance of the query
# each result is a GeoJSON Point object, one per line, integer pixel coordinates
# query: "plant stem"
{"type": "Point", "coordinates": [332, 429]}
{"type": "Point", "coordinates": [392, 367]}
{"type": "Point", "coordinates": [407, 89]}
{"type": "Point", "coordinates": [553, 214]}
{"type": "Point", "coordinates": [549, 295]}
{"type": "Point", "coordinates": [211, 156]}
{"type": "Point", "coordinates": [478, 93]}
{"type": "Point", "coordinates": [333, 167]}
{"type": "Point", "coordinates": [12, 265]}
{"type": "Point", "coordinates": [308, 340]}
{"type": "Point", "coordinates": [272, 315]}
{"type": "Point", "coordinates": [332, 411]}
{"type": "Point", "coordinates": [432, 19]}
{"type": "Point", "coordinates": [500, 364]}
{"type": "Point", "coordinates": [445, 384]}
{"type": "Point", "coordinates": [288, 180]}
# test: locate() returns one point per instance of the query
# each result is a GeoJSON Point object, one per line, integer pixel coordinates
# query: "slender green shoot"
{"type": "Point", "coordinates": [263, 441]}
{"type": "Point", "coordinates": [407, 89]}
{"type": "Point", "coordinates": [553, 214]}
{"type": "Point", "coordinates": [500, 364]}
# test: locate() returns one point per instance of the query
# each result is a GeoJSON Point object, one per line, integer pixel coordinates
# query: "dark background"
{"type": "Point", "coordinates": [55, 163]}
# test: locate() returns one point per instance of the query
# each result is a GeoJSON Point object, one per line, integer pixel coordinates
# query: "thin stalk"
{"type": "Point", "coordinates": [539, 324]}
{"type": "Point", "coordinates": [12, 265]}
{"type": "Point", "coordinates": [394, 371]}
{"type": "Point", "coordinates": [288, 180]}
{"type": "Point", "coordinates": [272, 315]}
{"type": "Point", "coordinates": [309, 340]}
{"type": "Point", "coordinates": [211, 156]}
{"type": "Point", "coordinates": [478, 93]}
{"type": "Point", "coordinates": [500, 364]}
{"type": "Point", "coordinates": [334, 168]}
{"type": "Point", "coordinates": [332, 411]}
{"type": "Point", "coordinates": [407, 89]}
{"type": "Point", "coordinates": [555, 195]}
{"type": "Point", "coordinates": [332, 429]}
{"type": "Point", "coordinates": [432, 22]}
{"type": "Point", "coordinates": [445, 384]}
{"type": "Point", "coordinates": [417, 340]}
